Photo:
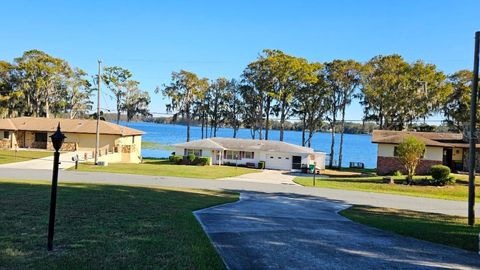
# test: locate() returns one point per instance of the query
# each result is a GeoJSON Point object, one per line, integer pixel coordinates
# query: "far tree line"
{"type": "Point", "coordinates": [394, 94]}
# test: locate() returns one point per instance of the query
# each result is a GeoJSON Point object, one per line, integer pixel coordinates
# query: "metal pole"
{"type": "Point", "coordinates": [473, 135]}
{"type": "Point", "coordinates": [53, 200]}
{"type": "Point", "coordinates": [97, 136]}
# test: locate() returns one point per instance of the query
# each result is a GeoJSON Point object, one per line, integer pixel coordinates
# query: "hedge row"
{"type": "Point", "coordinates": [189, 160]}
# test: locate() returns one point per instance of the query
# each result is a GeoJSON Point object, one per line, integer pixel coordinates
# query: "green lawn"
{"type": "Point", "coordinates": [10, 156]}
{"type": "Point", "coordinates": [438, 228]}
{"type": "Point", "coordinates": [458, 191]}
{"type": "Point", "coordinates": [165, 168]}
{"type": "Point", "coordinates": [105, 227]}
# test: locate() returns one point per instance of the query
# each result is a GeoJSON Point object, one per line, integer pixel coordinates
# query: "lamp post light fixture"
{"type": "Point", "coordinates": [57, 140]}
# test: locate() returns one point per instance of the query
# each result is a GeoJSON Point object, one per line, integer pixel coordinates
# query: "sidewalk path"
{"type": "Point", "coordinates": [45, 163]}
{"type": "Point", "coordinates": [458, 208]}
{"type": "Point", "coordinates": [264, 231]}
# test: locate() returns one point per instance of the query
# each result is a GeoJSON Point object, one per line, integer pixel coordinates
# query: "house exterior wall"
{"type": "Point", "coordinates": [258, 156]}
{"type": "Point", "coordinates": [431, 152]}
{"type": "Point", "coordinates": [129, 146]}
{"type": "Point", "coordinates": [457, 154]}
{"type": "Point", "coordinates": [385, 150]}
{"type": "Point", "coordinates": [387, 163]}
{"type": "Point", "coordinates": [7, 143]}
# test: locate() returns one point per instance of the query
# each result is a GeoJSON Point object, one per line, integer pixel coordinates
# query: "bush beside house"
{"type": "Point", "coordinates": [189, 160]}
{"type": "Point", "coordinates": [441, 175]}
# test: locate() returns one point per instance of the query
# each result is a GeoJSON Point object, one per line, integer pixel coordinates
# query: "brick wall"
{"type": "Point", "coordinates": [387, 165]}
{"type": "Point", "coordinates": [66, 146]}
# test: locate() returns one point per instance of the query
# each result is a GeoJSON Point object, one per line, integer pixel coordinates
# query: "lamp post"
{"type": "Point", "coordinates": [57, 141]}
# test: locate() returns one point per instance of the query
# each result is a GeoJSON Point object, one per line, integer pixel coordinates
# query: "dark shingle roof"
{"type": "Point", "coordinates": [429, 138]}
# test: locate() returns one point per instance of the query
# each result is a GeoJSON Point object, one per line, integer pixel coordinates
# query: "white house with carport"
{"type": "Point", "coordinates": [277, 155]}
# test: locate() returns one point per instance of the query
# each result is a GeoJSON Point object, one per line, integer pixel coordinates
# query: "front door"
{"type": "Point", "coordinates": [447, 158]}
{"type": "Point", "coordinates": [296, 162]}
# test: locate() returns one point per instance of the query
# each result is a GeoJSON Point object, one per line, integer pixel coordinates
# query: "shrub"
{"type": "Point", "coordinates": [397, 173]}
{"type": "Point", "coordinates": [202, 161]}
{"type": "Point", "coordinates": [176, 159]}
{"type": "Point", "coordinates": [441, 175]}
{"type": "Point", "coordinates": [410, 152]}
{"type": "Point", "coordinates": [439, 171]}
{"type": "Point", "coordinates": [191, 158]}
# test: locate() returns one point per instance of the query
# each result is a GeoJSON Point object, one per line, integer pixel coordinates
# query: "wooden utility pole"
{"type": "Point", "coordinates": [473, 135]}
{"type": "Point", "coordinates": [97, 137]}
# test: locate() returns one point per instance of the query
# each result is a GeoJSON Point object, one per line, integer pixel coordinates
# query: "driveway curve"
{"type": "Point", "coordinates": [268, 231]}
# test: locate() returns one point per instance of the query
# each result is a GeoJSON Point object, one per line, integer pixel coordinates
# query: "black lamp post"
{"type": "Point", "coordinates": [57, 141]}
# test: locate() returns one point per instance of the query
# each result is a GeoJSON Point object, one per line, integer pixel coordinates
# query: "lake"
{"type": "Point", "coordinates": [358, 148]}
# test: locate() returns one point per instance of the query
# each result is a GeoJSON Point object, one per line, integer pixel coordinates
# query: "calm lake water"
{"type": "Point", "coordinates": [357, 148]}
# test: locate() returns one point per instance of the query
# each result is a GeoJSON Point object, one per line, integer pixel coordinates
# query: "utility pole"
{"type": "Point", "coordinates": [97, 137]}
{"type": "Point", "coordinates": [473, 134]}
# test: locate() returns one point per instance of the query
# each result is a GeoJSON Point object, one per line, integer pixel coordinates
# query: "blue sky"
{"type": "Point", "coordinates": [219, 38]}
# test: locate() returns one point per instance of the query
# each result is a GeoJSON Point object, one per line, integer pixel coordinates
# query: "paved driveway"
{"type": "Point", "coordinates": [266, 176]}
{"type": "Point", "coordinates": [299, 232]}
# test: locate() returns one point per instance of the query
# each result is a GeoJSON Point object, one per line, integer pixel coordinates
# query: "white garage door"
{"type": "Point", "coordinates": [278, 162]}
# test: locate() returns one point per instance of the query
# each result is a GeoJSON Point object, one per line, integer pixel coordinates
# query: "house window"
{"type": "Point", "coordinates": [6, 134]}
{"type": "Point", "coordinates": [196, 152]}
{"type": "Point", "coordinates": [249, 155]}
{"type": "Point", "coordinates": [40, 136]}
{"type": "Point", "coordinates": [232, 154]}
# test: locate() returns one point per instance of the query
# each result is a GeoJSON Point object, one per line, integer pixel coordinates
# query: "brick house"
{"type": "Point", "coordinates": [449, 149]}
{"type": "Point", "coordinates": [117, 143]}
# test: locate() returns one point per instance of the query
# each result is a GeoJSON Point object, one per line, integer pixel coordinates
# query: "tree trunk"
{"type": "Point", "coordinates": [203, 123]}
{"type": "Point", "coordinates": [267, 116]}
{"type": "Point", "coordinates": [309, 141]}
{"type": "Point", "coordinates": [235, 129]}
{"type": "Point", "coordinates": [340, 152]}
{"type": "Point", "coordinates": [47, 107]}
{"type": "Point", "coordinates": [282, 118]}
{"type": "Point", "coordinates": [206, 126]}
{"type": "Point", "coordinates": [380, 116]}
{"type": "Point", "coordinates": [332, 145]}
{"type": "Point", "coordinates": [303, 129]}
{"type": "Point", "coordinates": [282, 123]}
{"type": "Point", "coordinates": [118, 108]}
{"type": "Point", "coordinates": [188, 123]}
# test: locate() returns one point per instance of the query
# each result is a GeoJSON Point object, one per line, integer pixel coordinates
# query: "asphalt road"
{"type": "Point", "coordinates": [264, 231]}
{"type": "Point", "coordinates": [458, 208]}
